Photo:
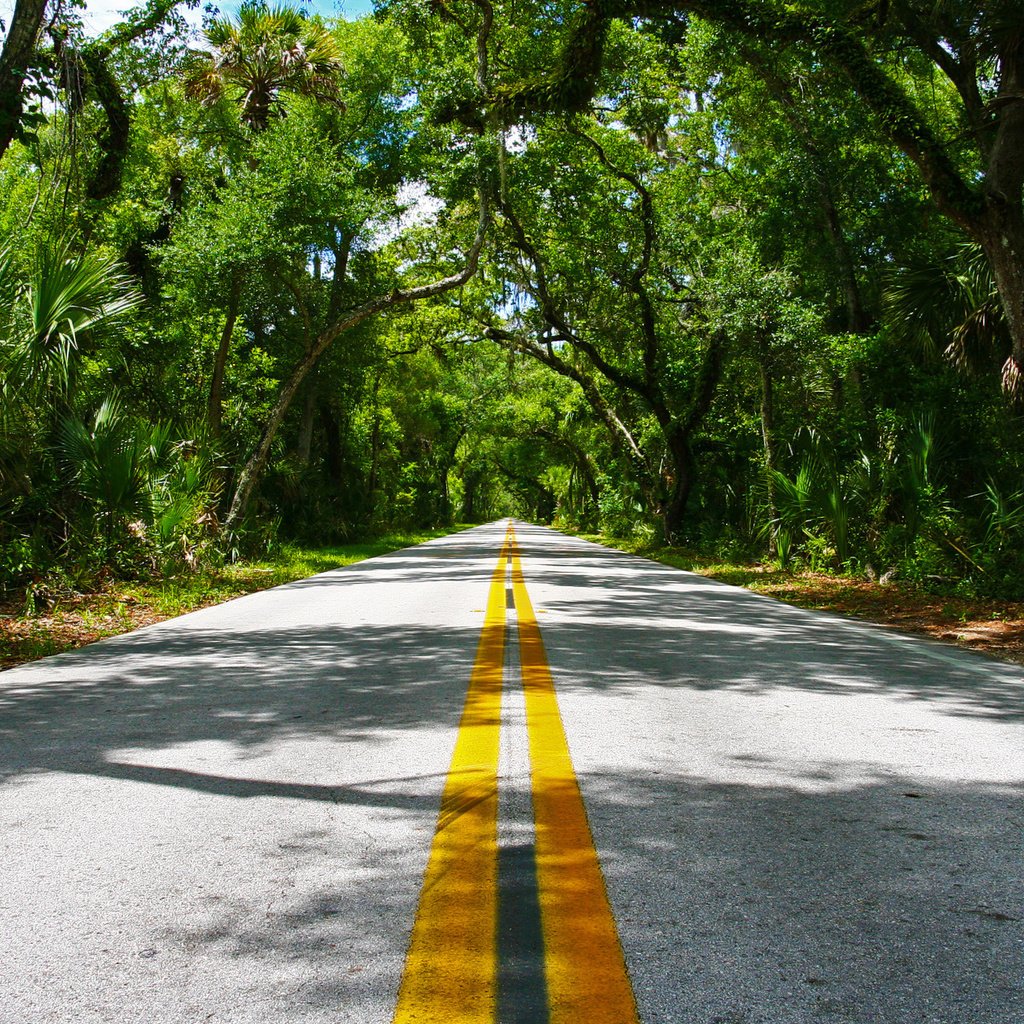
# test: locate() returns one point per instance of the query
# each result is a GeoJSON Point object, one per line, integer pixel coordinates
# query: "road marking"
{"type": "Point", "coordinates": [586, 971]}
{"type": "Point", "coordinates": [451, 967]}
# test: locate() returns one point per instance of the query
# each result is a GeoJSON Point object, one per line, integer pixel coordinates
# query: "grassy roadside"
{"type": "Point", "coordinates": [76, 619]}
{"type": "Point", "coordinates": [988, 626]}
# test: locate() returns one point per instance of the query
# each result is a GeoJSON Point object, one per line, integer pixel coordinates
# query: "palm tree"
{"type": "Point", "coordinates": [46, 316]}
{"type": "Point", "coordinates": [265, 52]}
{"type": "Point", "coordinates": [950, 301]}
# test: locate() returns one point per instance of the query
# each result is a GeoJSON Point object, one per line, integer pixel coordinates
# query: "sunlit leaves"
{"type": "Point", "coordinates": [48, 316]}
{"type": "Point", "coordinates": [263, 54]}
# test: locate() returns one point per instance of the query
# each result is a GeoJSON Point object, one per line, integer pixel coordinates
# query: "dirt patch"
{"type": "Point", "coordinates": [74, 623]}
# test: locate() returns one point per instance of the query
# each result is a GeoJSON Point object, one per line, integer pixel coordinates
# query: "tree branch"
{"type": "Point", "coordinates": [399, 296]}
{"type": "Point", "coordinates": [19, 47]}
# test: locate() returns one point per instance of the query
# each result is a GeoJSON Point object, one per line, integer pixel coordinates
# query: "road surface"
{"type": "Point", "coordinates": [360, 798]}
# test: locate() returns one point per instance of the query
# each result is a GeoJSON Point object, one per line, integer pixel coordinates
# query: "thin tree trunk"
{"type": "Point", "coordinates": [332, 443]}
{"type": "Point", "coordinates": [470, 482]}
{"type": "Point", "coordinates": [768, 437]}
{"type": "Point", "coordinates": [856, 318]}
{"type": "Point", "coordinates": [375, 442]}
{"type": "Point", "coordinates": [253, 469]}
{"type": "Point", "coordinates": [304, 445]}
{"type": "Point", "coordinates": [215, 404]}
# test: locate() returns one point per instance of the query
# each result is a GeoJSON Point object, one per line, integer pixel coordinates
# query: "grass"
{"type": "Point", "coordinates": [75, 619]}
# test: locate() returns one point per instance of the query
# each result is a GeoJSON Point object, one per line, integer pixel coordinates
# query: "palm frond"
{"type": "Point", "coordinates": [949, 305]}
{"type": "Point", "coordinates": [50, 315]}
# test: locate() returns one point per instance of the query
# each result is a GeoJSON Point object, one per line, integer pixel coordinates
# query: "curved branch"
{"type": "Point", "coordinates": [648, 323]}
{"type": "Point", "coordinates": [553, 315]}
{"type": "Point", "coordinates": [257, 461]}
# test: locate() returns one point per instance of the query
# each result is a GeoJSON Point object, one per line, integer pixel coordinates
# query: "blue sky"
{"type": "Point", "coordinates": [332, 8]}
{"type": "Point", "coordinates": [101, 14]}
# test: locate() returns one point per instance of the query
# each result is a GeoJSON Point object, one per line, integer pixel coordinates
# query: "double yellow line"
{"type": "Point", "coordinates": [451, 969]}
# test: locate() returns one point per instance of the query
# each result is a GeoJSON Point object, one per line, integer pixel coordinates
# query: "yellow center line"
{"type": "Point", "coordinates": [585, 969]}
{"type": "Point", "coordinates": [451, 967]}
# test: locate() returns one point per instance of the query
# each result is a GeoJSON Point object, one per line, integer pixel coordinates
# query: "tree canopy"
{"type": "Point", "coordinates": [733, 275]}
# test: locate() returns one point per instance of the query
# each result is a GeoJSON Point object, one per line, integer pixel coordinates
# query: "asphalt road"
{"type": "Point", "coordinates": [228, 817]}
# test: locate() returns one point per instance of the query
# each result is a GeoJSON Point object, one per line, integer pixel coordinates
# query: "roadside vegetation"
{"type": "Point", "coordinates": [742, 281]}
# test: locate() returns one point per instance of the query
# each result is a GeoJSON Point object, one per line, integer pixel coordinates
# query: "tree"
{"type": "Point", "coordinates": [967, 144]}
{"type": "Point", "coordinates": [15, 62]}
{"type": "Point", "coordinates": [414, 269]}
{"type": "Point", "coordinates": [266, 52]}
{"type": "Point", "coordinates": [616, 310]}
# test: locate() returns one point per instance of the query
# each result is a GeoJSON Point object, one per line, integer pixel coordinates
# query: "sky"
{"type": "Point", "coordinates": [101, 14]}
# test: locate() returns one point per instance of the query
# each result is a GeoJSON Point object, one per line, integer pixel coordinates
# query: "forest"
{"type": "Point", "coordinates": [724, 275]}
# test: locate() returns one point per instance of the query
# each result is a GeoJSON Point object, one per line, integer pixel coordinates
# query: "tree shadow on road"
{"type": "Point", "coordinates": [846, 893]}
{"type": "Point", "coordinates": [661, 626]}
{"type": "Point", "coordinates": [735, 903]}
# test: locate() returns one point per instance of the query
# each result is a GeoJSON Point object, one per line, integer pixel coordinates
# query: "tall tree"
{"type": "Point", "coordinates": [972, 162]}
{"type": "Point", "coordinates": [15, 61]}
{"type": "Point", "coordinates": [265, 52]}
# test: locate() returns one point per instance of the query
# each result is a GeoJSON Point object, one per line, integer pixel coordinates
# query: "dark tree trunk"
{"type": "Point", "coordinates": [106, 178]}
{"type": "Point", "coordinates": [304, 444]}
{"type": "Point", "coordinates": [682, 477]}
{"type": "Point", "coordinates": [333, 448]}
{"type": "Point", "coordinates": [1003, 244]}
{"type": "Point", "coordinates": [19, 47]}
{"type": "Point", "coordinates": [857, 321]}
{"type": "Point", "coordinates": [470, 483]}
{"type": "Point", "coordinates": [1001, 232]}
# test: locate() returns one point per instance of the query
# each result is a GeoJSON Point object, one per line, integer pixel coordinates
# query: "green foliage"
{"type": "Point", "coordinates": [145, 498]}
{"type": "Point", "coordinates": [46, 316]}
{"type": "Point", "coordinates": [265, 52]}
{"type": "Point", "coordinates": [708, 306]}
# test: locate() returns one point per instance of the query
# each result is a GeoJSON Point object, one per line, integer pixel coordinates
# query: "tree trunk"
{"type": "Point", "coordinates": [683, 474]}
{"type": "Point", "coordinates": [106, 177]}
{"type": "Point", "coordinates": [215, 404]}
{"type": "Point", "coordinates": [782, 90]}
{"type": "Point", "coordinates": [1003, 244]}
{"type": "Point", "coordinates": [678, 434]}
{"type": "Point", "coordinates": [856, 318]}
{"type": "Point", "coordinates": [768, 436]}
{"type": "Point", "coordinates": [444, 505]}
{"type": "Point", "coordinates": [1002, 233]}
{"type": "Point", "coordinates": [24, 27]}
{"type": "Point", "coordinates": [304, 444]}
{"type": "Point", "coordinates": [253, 469]}
{"type": "Point", "coordinates": [470, 482]}
{"type": "Point", "coordinates": [332, 443]}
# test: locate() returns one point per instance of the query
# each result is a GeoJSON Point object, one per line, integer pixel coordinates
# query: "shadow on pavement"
{"type": "Point", "coordinates": [837, 899]}
{"type": "Point", "coordinates": [735, 905]}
